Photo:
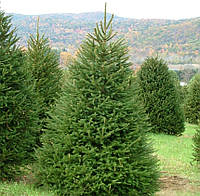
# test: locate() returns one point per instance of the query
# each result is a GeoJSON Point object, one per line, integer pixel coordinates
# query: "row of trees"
{"type": "Point", "coordinates": [29, 84]}
{"type": "Point", "coordinates": [192, 111]}
{"type": "Point", "coordinates": [168, 104]}
{"type": "Point", "coordinates": [94, 126]}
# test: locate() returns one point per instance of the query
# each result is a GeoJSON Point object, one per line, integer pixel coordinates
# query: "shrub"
{"type": "Point", "coordinates": [192, 103]}
{"type": "Point", "coordinates": [18, 109]}
{"type": "Point", "coordinates": [96, 138]}
{"type": "Point", "coordinates": [160, 97]}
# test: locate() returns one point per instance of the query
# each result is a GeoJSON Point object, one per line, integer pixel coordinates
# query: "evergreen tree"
{"type": "Point", "coordinates": [160, 97]}
{"type": "Point", "coordinates": [96, 138]}
{"type": "Point", "coordinates": [44, 64]}
{"type": "Point", "coordinates": [192, 102]}
{"type": "Point", "coordinates": [176, 81]}
{"type": "Point", "coordinates": [18, 109]}
{"type": "Point", "coordinates": [196, 140]}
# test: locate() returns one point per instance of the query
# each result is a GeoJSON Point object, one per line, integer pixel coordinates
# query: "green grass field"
{"type": "Point", "coordinates": [180, 175]}
{"type": "Point", "coordinates": [22, 189]}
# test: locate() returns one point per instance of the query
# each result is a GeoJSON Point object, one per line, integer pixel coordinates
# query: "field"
{"type": "Point", "coordinates": [180, 176]}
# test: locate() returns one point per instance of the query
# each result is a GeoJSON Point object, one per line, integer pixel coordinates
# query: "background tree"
{"type": "Point", "coordinates": [182, 90]}
{"type": "Point", "coordinates": [44, 64]}
{"type": "Point", "coordinates": [160, 97]}
{"type": "Point", "coordinates": [18, 106]}
{"type": "Point", "coordinates": [95, 142]}
{"type": "Point", "coordinates": [196, 140]}
{"type": "Point", "coordinates": [192, 102]}
{"type": "Point", "coordinates": [176, 80]}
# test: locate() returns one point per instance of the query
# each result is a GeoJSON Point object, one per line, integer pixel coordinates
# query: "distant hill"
{"type": "Point", "coordinates": [178, 41]}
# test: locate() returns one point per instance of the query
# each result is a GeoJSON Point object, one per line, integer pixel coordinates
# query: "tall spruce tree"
{"type": "Point", "coordinates": [44, 64]}
{"type": "Point", "coordinates": [192, 102]}
{"type": "Point", "coordinates": [160, 97]}
{"type": "Point", "coordinates": [18, 108]}
{"type": "Point", "coordinates": [96, 138]}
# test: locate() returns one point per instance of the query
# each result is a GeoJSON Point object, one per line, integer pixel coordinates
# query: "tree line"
{"type": "Point", "coordinates": [175, 40]}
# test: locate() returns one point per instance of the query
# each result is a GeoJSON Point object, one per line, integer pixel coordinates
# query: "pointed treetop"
{"type": "Point", "coordinates": [105, 18]}
{"type": "Point", "coordinates": [103, 32]}
{"type": "Point", "coordinates": [37, 28]}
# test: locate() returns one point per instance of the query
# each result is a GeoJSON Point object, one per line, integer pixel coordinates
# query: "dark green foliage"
{"type": "Point", "coordinates": [160, 97]}
{"type": "Point", "coordinates": [18, 109]}
{"type": "Point", "coordinates": [183, 93]}
{"type": "Point", "coordinates": [181, 90]}
{"type": "Point", "coordinates": [176, 80]}
{"type": "Point", "coordinates": [196, 140]}
{"type": "Point", "coordinates": [192, 103]}
{"type": "Point", "coordinates": [96, 139]}
{"type": "Point", "coordinates": [43, 63]}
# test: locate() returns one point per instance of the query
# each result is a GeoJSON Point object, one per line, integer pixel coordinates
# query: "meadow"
{"type": "Point", "coordinates": [180, 175]}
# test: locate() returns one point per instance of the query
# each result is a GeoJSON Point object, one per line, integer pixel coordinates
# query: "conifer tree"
{"type": "Point", "coordinates": [96, 139]}
{"type": "Point", "coordinates": [44, 64]}
{"type": "Point", "coordinates": [160, 97]}
{"type": "Point", "coordinates": [192, 102]}
{"type": "Point", "coordinates": [196, 140]}
{"type": "Point", "coordinates": [18, 109]}
{"type": "Point", "coordinates": [176, 81]}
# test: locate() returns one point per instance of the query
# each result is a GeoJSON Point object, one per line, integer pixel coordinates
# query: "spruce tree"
{"type": "Point", "coordinates": [192, 102]}
{"type": "Point", "coordinates": [176, 81]}
{"type": "Point", "coordinates": [160, 97]}
{"type": "Point", "coordinates": [18, 108]}
{"type": "Point", "coordinates": [44, 65]}
{"type": "Point", "coordinates": [196, 146]}
{"type": "Point", "coordinates": [96, 139]}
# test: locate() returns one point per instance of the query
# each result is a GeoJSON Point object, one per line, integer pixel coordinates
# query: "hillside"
{"type": "Point", "coordinates": [177, 41]}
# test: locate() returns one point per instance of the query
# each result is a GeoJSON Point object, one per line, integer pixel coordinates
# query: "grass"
{"type": "Point", "coordinates": [22, 189]}
{"type": "Point", "coordinates": [175, 153]}
{"type": "Point", "coordinates": [180, 175]}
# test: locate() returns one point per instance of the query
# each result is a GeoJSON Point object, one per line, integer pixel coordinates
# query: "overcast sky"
{"type": "Point", "coordinates": [159, 9]}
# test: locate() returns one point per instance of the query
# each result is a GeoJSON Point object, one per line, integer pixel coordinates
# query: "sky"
{"type": "Point", "coordinates": [140, 9]}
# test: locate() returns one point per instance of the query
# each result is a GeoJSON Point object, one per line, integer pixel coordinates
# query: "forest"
{"type": "Point", "coordinates": [177, 41]}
